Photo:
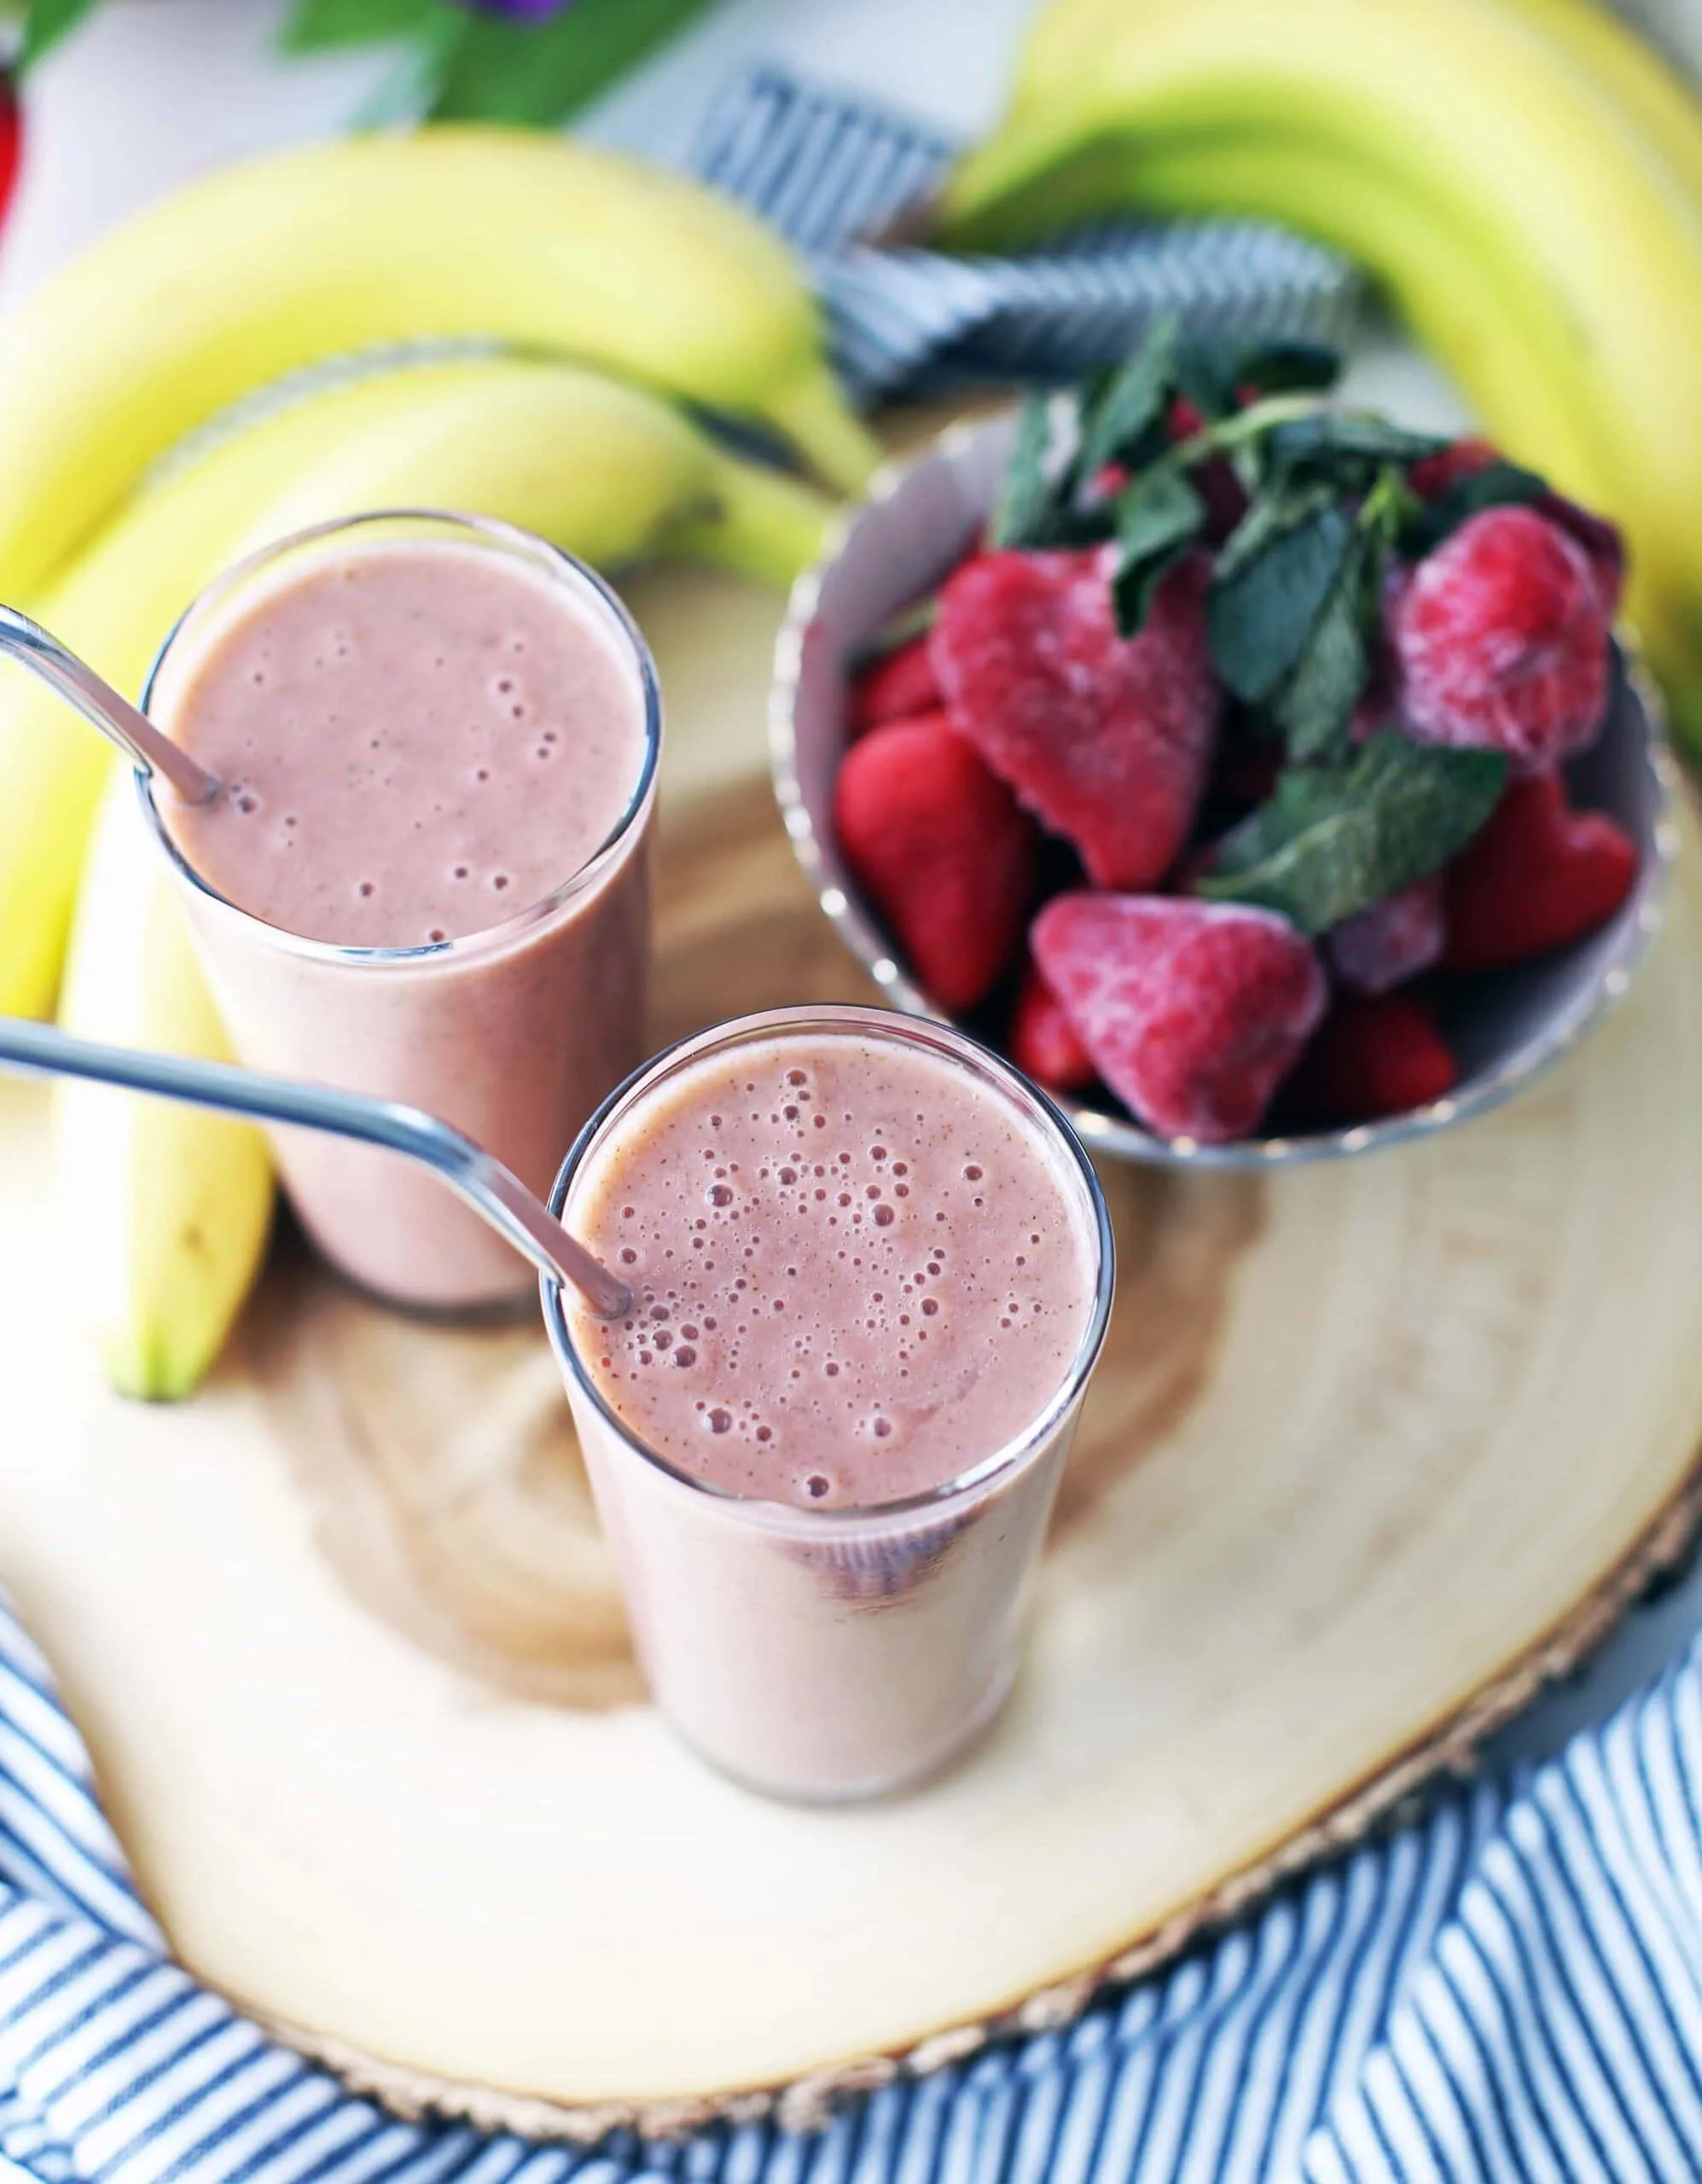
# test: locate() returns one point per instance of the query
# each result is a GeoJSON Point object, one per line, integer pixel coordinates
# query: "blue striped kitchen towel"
{"type": "Point", "coordinates": [829, 171]}
{"type": "Point", "coordinates": [1510, 1990]}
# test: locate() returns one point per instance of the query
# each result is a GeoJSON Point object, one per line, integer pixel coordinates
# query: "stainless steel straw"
{"type": "Point", "coordinates": [491, 1189]}
{"type": "Point", "coordinates": [117, 720]}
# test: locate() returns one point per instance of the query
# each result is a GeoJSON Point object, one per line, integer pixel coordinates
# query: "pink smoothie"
{"type": "Point", "coordinates": [867, 1269]}
{"type": "Point", "coordinates": [422, 740]}
{"type": "Point", "coordinates": [858, 1275]}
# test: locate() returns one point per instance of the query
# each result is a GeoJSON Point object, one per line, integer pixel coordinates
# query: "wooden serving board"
{"type": "Point", "coordinates": [1373, 1447]}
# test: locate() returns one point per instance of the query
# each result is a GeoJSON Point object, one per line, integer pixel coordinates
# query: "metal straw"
{"type": "Point", "coordinates": [117, 720]}
{"type": "Point", "coordinates": [491, 1189]}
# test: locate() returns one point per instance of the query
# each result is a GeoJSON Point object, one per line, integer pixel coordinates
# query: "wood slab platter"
{"type": "Point", "coordinates": [1374, 1446]}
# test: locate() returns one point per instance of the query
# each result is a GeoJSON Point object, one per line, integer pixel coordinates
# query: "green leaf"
{"type": "Point", "coordinates": [1340, 444]}
{"type": "Point", "coordinates": [47, 22]}
{"type": "Point", "coordinates": [1027, 512]}
{"type": "Point", "coordinates": [1334, 840]}
{"type": "Point", "coordinates": [1269, 589]}
{"type": "Point", "coordinates": [1315, 708]}
{"type": "Point", "coordinates": [1205, 374]}
{"type": "Point", "coordinates": [1497, 484]}
{"type": "Point", "coordinates": [408, 91]}
{"type": "Point", "coordinates": [312, 26]}
{"type": "Point", "coordinates": [1126, 406]}
{"type": "Point", "coordinates": [1159, 517]}
{"type": "Point", "coordinates": [1286, 365]}
{"type": "Point", "coordinates": [538, 73]}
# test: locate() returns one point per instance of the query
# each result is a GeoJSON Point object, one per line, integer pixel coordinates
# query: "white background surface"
{"type": "Point", "coordinates": [155, 90]}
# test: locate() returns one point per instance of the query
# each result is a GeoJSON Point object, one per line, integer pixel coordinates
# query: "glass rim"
{"type": "Point", "coordinates": [489, 531]}
{"type": "Point", "coordinates": [964, 1051]}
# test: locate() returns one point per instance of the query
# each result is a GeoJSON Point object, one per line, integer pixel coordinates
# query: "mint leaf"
{"type": "Point", "coordinates": [1314, 708]}
{"type": "Point", "coordinates": [1335, 433]}
{"type": "Point", "coordinates": [1284, 365]}
{"type": "Point", "coordinates": [1334, 840]}
{"type": "Point", "coordinates": [1269, 587]}
{"type": "Point", "coordinates": [1121, 412]}
{"type": "Point", "coordinates": [1497, 484]}
{"type": "Point", "coordinates": [536, 74]}
{"type": "Point", "coordinates": [1159, 517]}
{"type": "Point", "coordinates": [1028, 511]}
{"type": "Point", "coordinates": [47, 22]}
{"type": "Point", "coordinates": [314, 25]}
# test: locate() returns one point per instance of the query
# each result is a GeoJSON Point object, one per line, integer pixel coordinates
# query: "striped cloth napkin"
{"type": "Point", "coordinates": [1511, 1991]}
{"type": "Point", "coordinates": [829, 171]}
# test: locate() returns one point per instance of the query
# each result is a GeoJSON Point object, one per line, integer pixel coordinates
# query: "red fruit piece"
{"type": "Point", "coordinates": [1502, 642]}
{"type": "Point", "coordinates": [11, 139]}
{"type": "Point", "coordinates": [1216, 482]}
{"type": "Point", "coordinates": [942, 849]}
{"type": "Point", "coordinates": [1535, 876]}
{"type": "Point", "coordinates": [1043, 1040]}
{"type": "Point", "coordinates": [898, 686]}
{"type": "Point", "coordinates": [1603, 545]}
{"type": "Point", "coordinates": [1390, 942]}
{"type": "Point", "coordinates": [1375, 1057]}
{"type": "Point", "coordinates": [1106, 740]}
{"type": "Point", "coordinates": [1193, 1013]}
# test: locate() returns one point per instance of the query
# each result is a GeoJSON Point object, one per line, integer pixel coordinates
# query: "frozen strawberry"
{"type": "Point", "coordinates": [1106, 739]}
{"type": "Point", "coordinates": [1602, 542]}
{"type": "Point", "coordinates": [1216, 482]}
{"type": "Point", "coordinates": [1193, 1013]}
{"type": "Point", "coordinates": [943, 851]}
{"type": "Point", "coordinates": [1374, 1057]}
{"type": "Point", "coordinates": [1536, 876]}
{"type": "Point", "coordinates": [898, 686]}
{"type": "Point", "coordinates": [1502, 642]}
{"type": "Point", "coordinates": [1043, 1040]}
{"type": "Point", "coordinates": [1390, 942]}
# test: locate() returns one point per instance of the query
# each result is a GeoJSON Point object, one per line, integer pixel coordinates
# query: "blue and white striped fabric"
{"type": "Point", "coordinates": [829, 171]}
{"type": "Point", "coordinates": [1511, 1991]}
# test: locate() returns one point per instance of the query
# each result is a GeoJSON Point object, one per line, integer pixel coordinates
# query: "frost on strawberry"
{"type": "Point", "coordinates": [1501, 642]}
{"type": "Point", "coordinates": [1106, 740]}
{"type": "Point", "coordinates": [1193, 1012]}
{"type": "Point", "coordinates": [1394, 940]}
{"type": "Point", "coordinates": [943, 850]}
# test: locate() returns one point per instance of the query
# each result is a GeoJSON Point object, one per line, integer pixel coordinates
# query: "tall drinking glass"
{"type": "Point", "coordinates": [514, 1032]}
{"type": "Point", "coordinates": [835, 1653]}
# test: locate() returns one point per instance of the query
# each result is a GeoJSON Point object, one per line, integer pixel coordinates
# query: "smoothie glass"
{"type": "Point", "coordinates": [833, 1653]}
{"type": "Point", "coordinates": [513, 1034]}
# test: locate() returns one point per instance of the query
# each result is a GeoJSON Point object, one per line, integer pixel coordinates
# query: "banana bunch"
{"type": "Point", "coordinates": [542, 242]}
{"type": "Point", "coordinates": [174, 1205]}
{"type": "Point", "coordinates": [1523, 176]}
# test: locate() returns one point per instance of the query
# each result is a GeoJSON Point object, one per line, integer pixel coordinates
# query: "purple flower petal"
{"type": "Point", "coordinates": [521, 11]}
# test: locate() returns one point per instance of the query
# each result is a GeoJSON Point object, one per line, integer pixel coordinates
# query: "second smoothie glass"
{"type": "Point", "coordinates": [513, 1034]}
{"type": "Point", "coordinates": [833, 1653]}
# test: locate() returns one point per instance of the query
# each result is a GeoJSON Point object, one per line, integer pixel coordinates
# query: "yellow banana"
{"type": "Point", "coordinates": [541, 242]}
{"type": "Point", "coordinates": [170, 1206]}
{"type": "Point", "coordinates": [1483, 121]}
{"type": "Point", "coordinates": [1067, 39]}
{"type": "Point", "coordinates": [602, 468]}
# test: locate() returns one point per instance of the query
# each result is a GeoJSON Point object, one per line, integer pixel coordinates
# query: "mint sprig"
{"type": "Point", "coordinates": [1333, 840]}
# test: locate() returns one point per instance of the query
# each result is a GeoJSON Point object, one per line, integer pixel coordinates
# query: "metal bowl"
{"type": "Point", "coordinates": [917, 523]}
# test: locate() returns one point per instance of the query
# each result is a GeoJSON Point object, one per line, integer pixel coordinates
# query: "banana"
{"type": "Point", "coordinates": [1067, 38]}
{"type": "Point", "coordinates": [1588, 258]}
{"type": "Point", "coordinates": [604, 469]}
{"type": "Point", "coordinates": [541, 241]}
{"type": "Point", "coordinates": [171, 1207]}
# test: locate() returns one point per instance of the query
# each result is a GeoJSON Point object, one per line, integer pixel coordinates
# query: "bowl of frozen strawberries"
{"type": "Point", "coordinates": [1264, 779]}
